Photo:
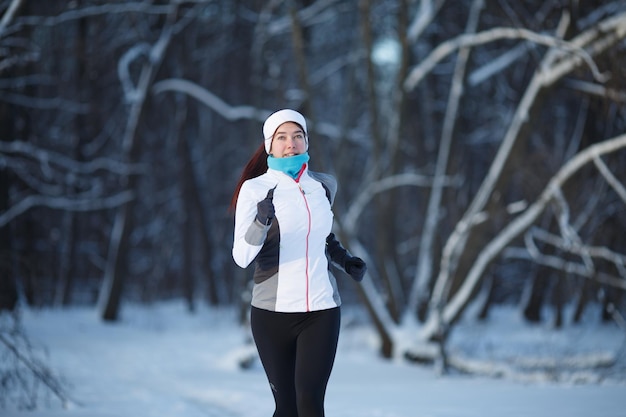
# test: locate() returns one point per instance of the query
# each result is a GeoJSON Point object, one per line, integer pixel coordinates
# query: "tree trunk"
{"type": "Point", "coordinates": [201, 213]}
{"type": "Point", "coordinates": [67, 253]}
{"type": "Point", "coordinates": [117, 267]}
{"type": "Point", "coordinates": [185, 180]}
{"type": "Point", "coordinates": [488, 291]}
{"type": "Point", "coordinates": [537, 290]}
{"type": "Point", "coordinates": [584, 295]}
{"type": "Point", "coordinates": [8, 288]}
{"type": "Point", "coordinates": [111, 291]}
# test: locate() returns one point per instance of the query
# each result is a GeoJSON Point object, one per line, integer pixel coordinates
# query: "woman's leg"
{"type": "Point", "coordinates": [276, 343]}
{"type": "Point", "coordinates": [317, 345]}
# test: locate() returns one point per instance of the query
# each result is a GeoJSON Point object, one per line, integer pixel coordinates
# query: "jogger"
{"type": "Point", "coordinates": [283, 224]}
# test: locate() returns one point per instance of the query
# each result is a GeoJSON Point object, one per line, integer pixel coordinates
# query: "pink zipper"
{"type": "Point", "coordinates": [308, 233]}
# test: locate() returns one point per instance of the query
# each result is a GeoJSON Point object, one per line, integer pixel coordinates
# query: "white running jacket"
{"type": "Point", "coordinates": [291, 268]}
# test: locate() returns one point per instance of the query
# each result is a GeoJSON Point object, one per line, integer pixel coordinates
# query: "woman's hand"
{"type": "Point", "coordinates": [356, 267]}
{"type": "Point", "coordinates": [265, 208]}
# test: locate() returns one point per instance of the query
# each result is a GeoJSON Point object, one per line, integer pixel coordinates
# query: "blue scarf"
{"type": "Point", "coordinates": [290, 165]}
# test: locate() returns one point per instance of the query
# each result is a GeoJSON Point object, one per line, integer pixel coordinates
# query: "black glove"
{"type": "Point", "coordinates": [265, 208]}
{"type": "Point", "coordinates": [355, 267]}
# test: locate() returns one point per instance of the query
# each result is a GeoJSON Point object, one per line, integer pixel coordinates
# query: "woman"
{"type": "Point", "coordinates": [283, 223]}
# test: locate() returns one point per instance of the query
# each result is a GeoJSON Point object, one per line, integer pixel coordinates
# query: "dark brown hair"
{"type": "Point", "coordinates": [257, 165]}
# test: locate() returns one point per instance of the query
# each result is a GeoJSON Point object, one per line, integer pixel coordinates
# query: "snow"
{"type": "Point", "coordinates": [162, 361]}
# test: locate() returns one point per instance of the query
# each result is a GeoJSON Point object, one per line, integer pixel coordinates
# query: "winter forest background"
{"type": "Point", "coordinates": [479, 148]}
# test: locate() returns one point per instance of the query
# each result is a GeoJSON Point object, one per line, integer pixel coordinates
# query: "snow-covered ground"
{"type": "Point", "coordinates": [159, 361]}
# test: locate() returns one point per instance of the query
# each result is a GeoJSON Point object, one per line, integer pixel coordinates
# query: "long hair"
{"type": "Point", "coordinates": [257, 165]}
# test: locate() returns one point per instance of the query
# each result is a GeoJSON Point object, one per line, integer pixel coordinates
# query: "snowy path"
{"type": "Point", "coordinates": [164, 363]}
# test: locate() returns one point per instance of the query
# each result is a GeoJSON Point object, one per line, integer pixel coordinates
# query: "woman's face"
{"type": "Point", "coordinates": [288, 140]}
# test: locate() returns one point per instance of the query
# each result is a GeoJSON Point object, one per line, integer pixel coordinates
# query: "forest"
{"type": "Point", "coordinates": [479, 147]}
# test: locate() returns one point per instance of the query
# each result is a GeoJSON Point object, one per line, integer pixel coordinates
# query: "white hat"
{"type": "Point", "coordinates": [278, 118]}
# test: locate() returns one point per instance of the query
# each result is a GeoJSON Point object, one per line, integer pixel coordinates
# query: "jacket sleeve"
{"type": "Point", "coordinates": [336, 252]}
{"type": "Point", "coordinates": [249, 234]}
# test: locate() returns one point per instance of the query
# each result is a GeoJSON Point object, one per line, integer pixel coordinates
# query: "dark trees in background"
{"type": "Point", "coordinates": [449, 125]}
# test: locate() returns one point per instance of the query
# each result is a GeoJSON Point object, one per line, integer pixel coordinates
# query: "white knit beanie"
{"type": "Point", "coordinates": [278, 118]}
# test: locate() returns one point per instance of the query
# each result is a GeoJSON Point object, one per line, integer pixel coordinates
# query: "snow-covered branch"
{"type": "Point", "coordinates": [532, 369]}
{"type": "Point", "coordinates": [123, 70]}
{"type": "Point", "coordinates": [385, 184]}
{"type": "Point", "coordinates": [497, 65]}
{"type": "Point", "coordinates": [233, 113]}
{"type": "Point", "coordinates": [47, 158]}
{"type": "Point", "coordinates": [568, 232]}
{"type": "Point", "coordinates": [565, 266]}
{"type": "Point", "coordinates": [209, 99]}
{"type": "Point", "coordinates": [610, 178]}
{"type": "Point", "coordinates": [425, 15]}
{"type": "Point", "coordinates": [608, 31]}
{"type": "Point", "coordinates": [90, 11]}
{"type": "Point", "coordinates": [9, 14]}
{"type": "Point", "coordinates": [307, 15]}
{"type": "Point", "coordinates": [65, 203]}
{"type": "Point", "coordinates": [597, 90]}
{"type": "Point", "coordinates": [43, 103]}
{"type": "Point", "coordinates": [600, 252]}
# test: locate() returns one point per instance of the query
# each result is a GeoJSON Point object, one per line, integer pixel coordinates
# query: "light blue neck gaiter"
{"type": "Point", "coordinates": [290, 165]}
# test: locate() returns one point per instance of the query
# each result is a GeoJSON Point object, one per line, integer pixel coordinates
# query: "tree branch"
{"type": "Point", "coordinates": [9, 14]}
{"type": "Point", "coordinates": [234, 113]}
{"type": "Point", "coordinates": [64, 203]}
{"type": "Point", "coordinates": [89, 11]}
{"type": "Point", "coordinates": [425, 15]}
{"type": "Point", "coordinates": [615, 26]}
{"type": "Point", "coordinates": [599, 252]}
{"type": "Point", "coordinates": [610, 178]}
{"type": "Point", "coordinates": [385, 184]}
{"type": "Point", "coordinates": [46, 157]}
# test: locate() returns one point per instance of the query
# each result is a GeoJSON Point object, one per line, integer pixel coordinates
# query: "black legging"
{"type": "Point", "coordinates": [297, 351]}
